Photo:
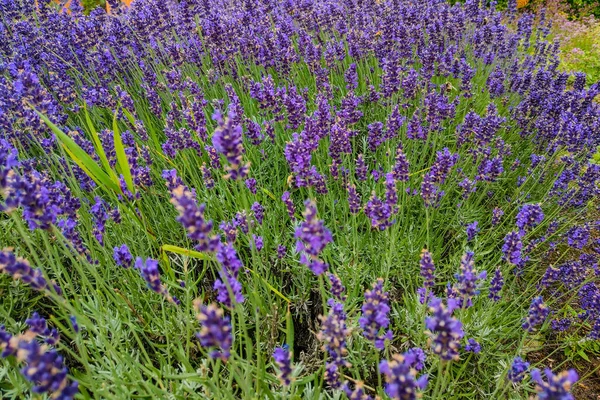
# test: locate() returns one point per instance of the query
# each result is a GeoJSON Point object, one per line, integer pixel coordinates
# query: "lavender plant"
{"type": "Point", "coordinates": [197, 196]}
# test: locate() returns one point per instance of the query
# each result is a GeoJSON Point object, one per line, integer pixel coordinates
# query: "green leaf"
{"type": "Point", "coordinates": [289, 329]}
{"type": "Point", "coordinates": [121, 156]}
{"type": "Point", "coordinates": [98, 146]}
{"type": "Point", "coordinates": [80, 157]}
{"type": "Point", "coordinates": [186, 252]}
{"type": "Point", "coordinates": [583, 355]}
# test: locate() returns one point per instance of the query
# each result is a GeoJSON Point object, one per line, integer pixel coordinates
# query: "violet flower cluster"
{"type": "Point", "coordinates": [312, 237]}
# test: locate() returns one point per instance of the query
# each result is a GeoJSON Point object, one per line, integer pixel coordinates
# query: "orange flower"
{"type": "Point", "coordinates": [522, 3]}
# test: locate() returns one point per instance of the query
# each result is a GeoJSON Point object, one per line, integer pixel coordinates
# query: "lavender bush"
{"type": "Point", "coordinates": [295, 199]}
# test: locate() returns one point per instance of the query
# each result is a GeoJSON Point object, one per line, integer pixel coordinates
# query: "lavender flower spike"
{"type": "Point", "coordinates": [282, 358]}
{"type": "Point", "coordinates": [312, 237]}
{"type": "Point", "coordinates": [558, 387]}
{"type": "Point", "coordinates": [374, 317]}
{"type": "Point", "coordinates": [215, 333]}
{"type": "Point", "coordinates": [444, 331]}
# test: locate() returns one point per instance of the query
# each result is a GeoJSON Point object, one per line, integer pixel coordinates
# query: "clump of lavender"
{"type": "Point", "coordinates": [401, 376]}
{"type": "Point", "coordinates": [227, 140]}
{"type": "Point", "coordinates": [517, 370]}
{"type": "Point", "coordinates": [496, 285]}
{"type": "Point", "coordinates": [44, 367]}
{"type": "Point", "coordinates": [374, 320]}
{"type": "Point", "coordinates": [312, 237]}
{"type": "Point", "coordinates": [557, 386]}
{"type": "Point", "coordinates": [333, 335]}
{"type": "Point", "coordinates": [39, 325]}
{"type": "Point", "coordinates": [529, 216]}
{"type": "Point", "coordinates": [20, 269]}
{"type": "Point", "coordinates": [445, 332]}
{"type": "Point", "coordinates": [538, 312]}
{"type": "Point", "coordinates": [283, 360]}
{"type": "Point", "coordinates": [122, 256]}
{"type": "Point", "coordinates": [215, 332]}
{"type": "Point", "coordinates": [149, 271]}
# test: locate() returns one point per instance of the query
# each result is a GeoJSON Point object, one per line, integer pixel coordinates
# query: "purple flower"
{"type": "Point", "coordinates": [401, 167]}
{"type": "Point", "coordinates": [39, 325]}
{"type": "Point", "coordinates": [149, 271]}
{"type": "Point", "coordinates": [351, 77]}
{"type": "Point", "coordinates": [518, 370]}
{"type": "Point", "coordinates": [289, 204]}
{"type": "Point", "coordinates": [215, 332]}
{"type": "Point", "coordinates": [74, 324]}
{"type": "Point", "coordinates": [444, 331]}
{"type": "Point", "coordinates": [557, 387]}
{"type": "Point", "coordinates": [472, 230]}
{"type": "Point", "coordinates": [379, 213]}
{"type": "Point", "coordinates": [358, 393]}
{"type": "Point", "coordinates": [281, 251]}
{"type": "Point", "coordinates": [512, 248]}
{"type": "Point", "coordinates": [467, 281]}
{"type": "Point", "coordinates": [337, 288]}
{"type": "Point", "coordinates": [20, 269]}
{"type": "Point", "coordinates": [496, 285]}
{"type": "Point", "coordinates": [312, 237]}
{"type": "Point", "coordinates": [227, 140]}
{"type": "Point", "coordinates": [229, 273]}
{"type": "Point", "coordinates": [472, 346]}
{"type": "Point", "coordinates": [427, 268]}
{"type": "Point", "coordinates": [374, 320]}
{"type": "Point", "coordinates": [354, 202]}
{"type": "Point", "coordinates": [376, 135]}
{"type": "Point", "coordinates": [191, 216]}
{"type": "Point", "coordinates": [251, 185]}
{"type": "Point", "coordinates": [361, 168]}
{"type": "Point", "coordinates": [258, 242]}
{"type": "Point", "coordinates": [333, 335]}
{"type": "Point", "coordinates": [122, 256]}
{"type": "Point", "coordinates": [282, 358]}
{"type": "Point", "coordinates": [259, 212]}
{"type": "Point", "coordinates": [538, 312]}
{"type": "Point", "coordinates": [419, 357]}
{"type": "Point", "coordinates": [401, 376]}
{"type": "Point", "coordinates": [497, 213]}
{"type": "Point", "coordinates": [530, 215]}
{"type": "Point", "coordinates": [44, 367]}
{"type": "Point", "coordinates": [391, 192]}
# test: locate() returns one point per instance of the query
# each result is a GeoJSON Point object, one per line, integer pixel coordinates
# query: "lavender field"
{"type": "Point", "coordinates": [297, 199]}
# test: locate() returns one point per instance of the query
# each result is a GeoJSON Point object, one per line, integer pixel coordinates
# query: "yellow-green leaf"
{"type": "Point", "coordinates": [98, 145]}
{"type": "Point", "coordinates": [185, 252]}
{"type": "Point", "coordinates": [80, 157]}
{"type": "Point", "coordinates": [121, 156]}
